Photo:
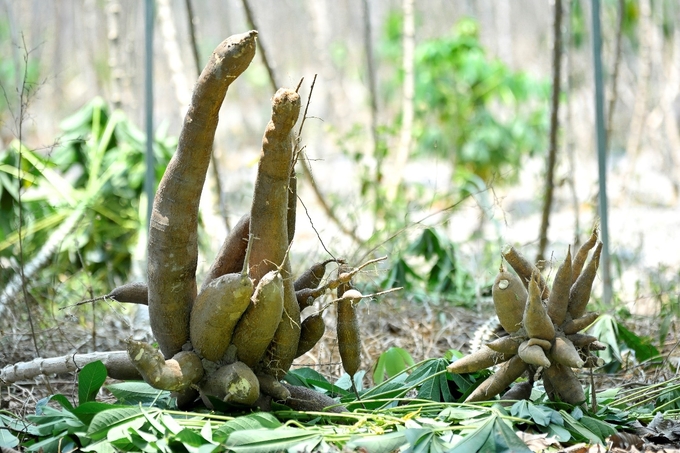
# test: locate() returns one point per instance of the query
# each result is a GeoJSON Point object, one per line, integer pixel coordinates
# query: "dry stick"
{"type": "Point", "coordinates": [117, 363]}
{"type": "Point", "coordinates": [270, 70]}
{"type": "Point", "coordinates": [306, 170]}
{"type": "Point", "coordinates": [173, 230]}
{"type": "Point", "coordinates": [192, 35]}
{"type": "Point", "coordinates": [554, 126]}
{"type": "Point", "coordinates": [23, 103]}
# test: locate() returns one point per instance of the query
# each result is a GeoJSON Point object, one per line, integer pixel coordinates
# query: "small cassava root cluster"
{"type": "Point", "coordinates": [543, 326]}
{"type": "Point", "coordinates": [235, 337]}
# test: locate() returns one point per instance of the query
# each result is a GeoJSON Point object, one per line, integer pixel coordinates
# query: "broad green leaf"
{"type": "Point", "coordinates": [62, 400]}
{"type": "Point", "coordinates": [86, 411]}
{"type": "Point", "coordinates": [598, 427]}
{"type": "Point", "coordinates": [384, 443]}
{"type": "Point", "coordinates": [494, 435]}
{"type": "Point", "coordinates": [7, 439]}
{"type": "Point", "coordinates": [422, 440]}
{"type": "Point", "coordinates": [578, 430]}
{"type": "Point", "coordinates": [273, 440]}
{"type": "Point", "coordinates": [103, 421]}
{"type": "Point", "coordinates": [300, 377]}
{"type": "Point", "coordinates": [189, 438]}
{"type": "Point", "coordinates": [644, 350]}
{"type": "Point", "coordinates": [134, 392]}
{"type": "Point", "coordinates": [54, 444]}
{"type": "Point", "coordinates": [90, 380]}
{"type": "Point", "coordinates": [390, 363]}
{"type": "Point", "coordinates": [170, 423]}
{"type": "Point", "coordinates": [562, 434]}
{"type": "Point", "coordinates": [257, 420]}
{"type": "Point", "coordinates": [343, 385]}
{"type": "Point", "coordinates": [456, 413]}
{"type": "Point", "coordinates": [103, 446]}
{"type": "Point", "coordinates": [122, 430]}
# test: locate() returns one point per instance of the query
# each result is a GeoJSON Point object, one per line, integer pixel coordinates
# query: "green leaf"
{"type": "Point", "coordinates": [384, 443]}
{"type": "Point", "coordinates": [135, 392]}
{"type": "Point", "coordinates": [87, 411]}
{"type": "Point", "coordinates": [644, 350]}
{"type": "Point", "coordinates": [103, 421]}
{"type": "Point", "coordinates": [273, 440]}
{"type": "Point", "coordinates": [258, 420]}
{"type": "Point", "coordinates": [62, 400]}
{"type": "Point", "coordinates": [390, 363]}
{"type": "Point", "coordinates": [425, 440]}
{"type": "Point", "coordinates": [7, 439]}
{"type": "Point", "coordinates": [494, 435]}
{"type": "Point", "coordinates": [457, 413]}
{"type": "Point", "coordinates": [189, 438]}
{"type": "Point", "coordinates": [301, 376]}
{"type": "Point", "coordinates": [598, 427]}
{"type": "Point", "coordinates": [578, 430]}
{"type": "Point", "coordinates": [90, 380]}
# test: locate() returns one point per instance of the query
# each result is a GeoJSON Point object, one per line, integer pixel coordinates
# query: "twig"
{"type": "Point", "coordinates": [265, 60]}
{"type": "Point", "coordinates": [192, 35]}
{"type": "Point", "coordinates": [554, 126]}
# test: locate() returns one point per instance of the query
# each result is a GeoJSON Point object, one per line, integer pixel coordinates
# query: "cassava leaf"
{"type": "Point", "coordinates": [390, 363]}
{"type": "Point", "coordinates": [7, 439]}
{"type": "Point", "coordinates": [135, 392]}
{"type": "Point", "coordinates": [258, 420]}
{"type": "Point", "coordinates": [384, 443]}
{"type": "Point", "coordinates": [598, 427]}
{"type": "Point", "coordinates": [103, 421]}
{"type": "Point", "coordinates": [272, 440]}
{"type": "Point", "coordinates": [90, 380]}
{"type": "Point", "coordinates": [494, 435]}
{"type": "Point", "coordinates": [644, 350]}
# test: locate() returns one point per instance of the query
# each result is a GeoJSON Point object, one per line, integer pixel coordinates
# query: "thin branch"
{"type": "Point", "coordinates": [554, 127]}
{"type": "Point", "coordinates": [192, 35]}
{"type": "Point", "coordinates": [265, 60]}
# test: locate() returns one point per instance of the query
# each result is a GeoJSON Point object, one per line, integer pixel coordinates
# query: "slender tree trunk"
{"type": "Point", "coordinates": [642, 88]}
{"type": "Point", "coordinates": [554, 126]}
{"type": "Point", "coordinates": [407, 97]}
{"type": "Point", "coordinates": [613, 96]}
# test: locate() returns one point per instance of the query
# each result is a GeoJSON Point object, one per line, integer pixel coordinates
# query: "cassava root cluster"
{"type": "Point", "coordinates": [543, 326]}
{"type": "Point", "coordinates": [235, 337]}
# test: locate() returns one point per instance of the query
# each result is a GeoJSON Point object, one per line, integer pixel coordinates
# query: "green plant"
{"type": "Point", "coordinates": [472, 110]}
{"type": "Point", "coordinates": [430, 269]}
{"type": "Point", "coordinates": [80, 200]}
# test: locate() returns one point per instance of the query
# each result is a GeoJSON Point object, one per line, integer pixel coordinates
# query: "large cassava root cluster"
{"type": "Point", "coordinates": [235, 337]}
{"type": "Point", "coordinates": [543, 327]}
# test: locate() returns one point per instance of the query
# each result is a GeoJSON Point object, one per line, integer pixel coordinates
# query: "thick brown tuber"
{"type": "Point", "coordinates": [543, 326]}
